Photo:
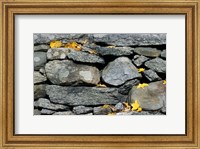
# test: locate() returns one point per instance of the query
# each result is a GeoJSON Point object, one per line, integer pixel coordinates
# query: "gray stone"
{"type": "Point", "coordinates": [119, 71]}
{"type": "Point", "coordinates": [146, 51]}
{"type": "Point", "coordinates": [86, 96]}
{"type": "Point", "coordinates": [37, 112]}
{"type": "Point", "coordinates": [163, 109]}
{"type": "Point", "coordinates": [66, 72]}
{"type": "Point", "coordinates": [57, 53]}
{"type": "Point", "coordinates": [42, 47]}
{"type": "Point", "coordinates": [88, 114]}
{"type": "Point", "coordinates": [119, 106]}
{"type": "Point", "coordinates": [45, 103]}
{"type": "Point", "coordinates": [130, 39]}
{"type": "Point", "coordinates": [150, 97]}
{"type": "Point", "coordinates": [82, 110]}
{"type": "Point", "coordinates": [139, 60]}
{"type": "Point", "coordinates": [163, 54]}
{"type": "Point", "coordinates": [134, 113]}
{"type": "Point", "coordinates": [38, 77]}
{"type": "Point", "coordinates": [47, 112]}
{"type": "Point", "coordinates": [151, 75]}
{"type": "Point", "coordinates": [101, 111]}
{"type": "Point", "coordinates": [64, 113]}
{"type": "Point", "coordinates": [124, 89]}
{"type": "Point", "coordinates": [156, 64]}
{"type": "Point", "coordinates": [40, 58]}
{"type": "Point", "coordinates": [39, 91]}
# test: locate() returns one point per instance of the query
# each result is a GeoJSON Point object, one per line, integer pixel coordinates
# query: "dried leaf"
{"type": "Point", "coordinates": [139, 109]}
{"type": "Point", "coordinates": [142, 85]}
{"type": "Point", "coordinates": [55, 44]}
{"type": "Point", "coordinates": [135, 105]}
{"type": "Point", "coordinates": [73, 45]}
{"type": "Point", "coordinates": [106, 106]}
{"type": "Point", "coordinates": [101, 85]}
{"type": "Point", "coordinates": [113, 108]}
{"type": "Point", "coordinates": [127, 107]}
{"type": "Point", "coordinates": [92, 52]}
{"type": "Point", "coordinates": [141, 70]}
{"type": "Point", "coordinates": [164, 82]}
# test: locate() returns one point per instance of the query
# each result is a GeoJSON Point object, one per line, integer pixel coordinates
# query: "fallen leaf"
{"type": "Point", "coordinates": [142, 85]}
{"type": "Point", "coordinates": [127, 107]}
{"type": "Point", "coordinates": [55, 44]}
{"type": "Point", "coordinates": [101, 85]}
{"type": "Point", "coordinates": [164, 82]}
{"type": "Point", "coordinates": [141, 70]}
{"type": "Point", "coordinates": [139, 109]}
{"type": "Point", "coordinates": [106, 106]}
{"type": "Point", "coordinates": [135, 105]}
{"type": "Point", "coordinates": [113, 108]}
{"type": "Point", "coordinates": [73, 45]}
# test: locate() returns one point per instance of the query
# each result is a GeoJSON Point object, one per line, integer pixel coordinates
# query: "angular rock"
{"type": "Point", "coordinates": [119, 71]}
{"type": "Point", "coordinates": [150, 97]}
{"type": "Point", "coordinates": [163, 54]}
{"type": "Point", "coordinates": [85, 96]}
{"type": "Point", "coordinates": [146, 51]}
{"type": "Point", "coordinates": [42, 47]}
{"type": "Point", "coordinates": [130, 39]}
{"type": "Point", "coordinates": [40, 58]}
{"type": "Point", "coordinates": [57, 53]}
{"type": "Point", "coordinates": [124, 89]}
{"type": "Point", "coordinates": [119, 106]}
{"type": "Point", "coordinates": [156, 64]}
{"type": "Point", "coordinates": [64, 113]}
{"type": "Point", "coordinates": [45, 103]}
{"type": "Point", "coordinates": [47, 112]}
{"type": "Point", "coordinates": [82, 110]}
{"type": "Point", "coordinates": [38, 77]}
{"type": "Point", "coordinates": [151, 75]}
{"type": "Point", "coordinates": [66, 72]}
{"type": "Point", "coordinates": [139, 60]}
{"type": "Point", "coordinates": [39, 91]}
{"type": "Point", "coordinates": [37, 112]}
{"type": "Point", "coordinates": [101, 111]}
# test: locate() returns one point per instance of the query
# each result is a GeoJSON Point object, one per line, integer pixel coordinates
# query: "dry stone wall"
{"type": "Point", "coordinates": [100, 78]}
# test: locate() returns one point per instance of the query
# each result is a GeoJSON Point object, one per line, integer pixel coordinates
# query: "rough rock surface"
{"type": "Point", "coordinates": [37, 112]}
{"type": "Point", "coordinates": [45, 103]}
{"type": "Point", "coordinates": [40, 59]}
{"type": "Point", "coordinates": [133, 113]}
{"type": "Point", "coordinates": [151, 75]}
{"type": "Point", "coordinates": [119, 71]}
{"type": "Point", "coordinates": [38, 77]}
{"type": "Point", "coordinates": [156, 64]}
{"type": "Point", "coordinates": [131, 39]}
{"type": "Point", "coordinates": [64, 113]}
{"type": "Point", "coordinates": [139, 60]}
{"type": "Point", "coordinates": [101, 111]}
{"type": "Point", "coordinates": [146, 51]}
{"type": "Point", "coordinates": [66, 72]}
{"type": "Point", "coordinates": [39, 91]}
{"type": "Point", "coordinates": [150, 97]}
{"type": "Point", "coordinates": [124, 89]}
{"type": "Point", "coordinates": [47, 112]}
{"type": "Point", "coordinates": [82, 110]}
{"type": "Point", "coordinates": [119, 106]}
{"type": "Point", "coordinates": [163, 54]}
{"type": "Point", "coordinates": [57, 53]}
{"type": "Point", "coordinates": [42, 47]}
{"type": "Point", "coordinates": [85, 96]}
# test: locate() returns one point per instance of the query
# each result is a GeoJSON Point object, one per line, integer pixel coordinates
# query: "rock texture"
{"type": "Point", "coordinates": [157, 64]}
{"type": "Point", "coordinates": [38, 77]}
{"type": "Point", "coordinates": [145, 51]}
{"type": "Point", "coordinates": [40, 59]}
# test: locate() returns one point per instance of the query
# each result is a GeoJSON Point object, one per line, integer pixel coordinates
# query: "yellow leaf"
{"type": "Point", "coordinates": [127, 107]}
{"type": "Point", "coordinates": [142, 85]}
{"type": "Point", "coordinates": [164, 82]}
{"type": "Point", "coordinates": [139, 109]}
{"type": "Point", "coordinates": [55, 44]}
{"type": "Point", "coordinates": [135, 105]}
{"type": "Point", "coordinates": [106, 106]}
{"type": "Point", "coordinates": [73, 45]}
{"type": "Point", "coordinates": [141, 70]}
{"type": "Point", "coordinates": [101, 85]}
{"type": "Point", "coordinates": [92, 52]}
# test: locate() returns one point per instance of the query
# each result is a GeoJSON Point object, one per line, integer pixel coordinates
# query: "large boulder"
{"type": "Point", "coordinates": [119, 71]}
{"type": "Point", "coordinates": [66, 72]}
{"type": "Point", "coordinates": [156, 64]}
{"type": "Point", "coordinates": [130, 39]}
{"type": "Point", "coordinates": [151, 97]}
{"type": "Point", "coordinates": [40, 58]}
{"type": "Point", "coordinates": [85, 96]}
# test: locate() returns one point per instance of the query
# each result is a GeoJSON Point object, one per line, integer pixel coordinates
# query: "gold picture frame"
{"type": "Point", "coordinates": [189, 8]}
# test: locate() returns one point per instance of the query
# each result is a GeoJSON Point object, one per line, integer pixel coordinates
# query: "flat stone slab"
{"type": "Point", "coordinates": [156, 64]}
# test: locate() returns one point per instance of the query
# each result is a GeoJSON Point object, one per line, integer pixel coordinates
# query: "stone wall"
{"type": "Point", "coordinates": [99, 74]}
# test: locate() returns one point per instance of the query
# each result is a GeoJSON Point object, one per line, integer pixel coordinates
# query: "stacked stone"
{"type": "Point", "coordinates": [66, 80]}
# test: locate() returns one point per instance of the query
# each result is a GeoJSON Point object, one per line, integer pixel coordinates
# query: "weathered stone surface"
{"type": "Point", "coordinates": [82, 110]}
{"type": "Point", "coordinates": [45, 103]}
{"type": "Point", "coordinates": [101, 111]}
{"type": "Point", "coordinates": [119, 71]}
{"type": "Point", "coordinates": [86, 96]}
{"type": "Point", "coordinates": [119, 106]}
{"type": "Point", "coordinates": [39, 91]}
{"type": "Point", "coordinates": [66, 72]}
{"type": "Point", "coordinates": [124, 89]}
{"type": "Point", "coordinates": [156, 64]}
{"type": "Point", "coordinates": [150, 97]}
{"type": "Point", "coordinates": [37, 112]}
{"type": "Point", "coordinates": [40, 58]}
{"type": "Point", "coordinates": [38, 77]}
{"type": "Point", "coordinates": [57, 53]}
{"type": "Point", "coordinates": [163, 109]}
{"type": "Point", "coordinates": [133, 113]}
{"type": "Point", "coordinates": [64, 113]}
{"type": "Point", "coordinates": [130, 39]}
{"type": "Point", "coordinates": [42, 47]}
{"type": "Point", "coordinates": [47, 112]}
{"type": "Point", "coordinates": [139, 60]}
{"type": "Point", "coordinates": [146, 51]}
{"type": "Point", "coordinates": [151, 75]}
{"type": "Point", "coordinates": [163, 54]}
